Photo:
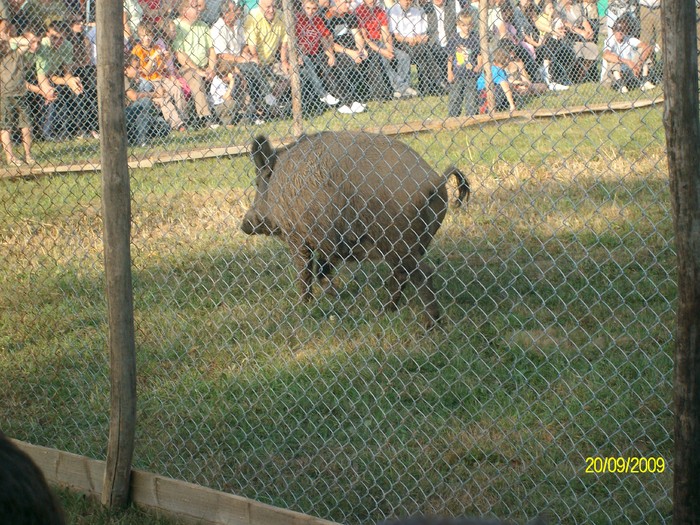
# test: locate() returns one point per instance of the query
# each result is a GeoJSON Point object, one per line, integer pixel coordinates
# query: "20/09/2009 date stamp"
{"type": "Point", "coordinates": [622, 465]}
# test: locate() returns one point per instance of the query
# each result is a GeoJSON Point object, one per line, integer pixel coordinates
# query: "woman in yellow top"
{"type": "Point", "coordinates": [154, 75]}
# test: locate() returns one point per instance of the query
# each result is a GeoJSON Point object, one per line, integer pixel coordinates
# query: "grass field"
{"type": "Point", "coordinates": [558, 295]}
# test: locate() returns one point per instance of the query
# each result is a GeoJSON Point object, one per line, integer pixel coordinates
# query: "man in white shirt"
{"type": "Point", "coordinates": [409, 27]}
{"type": "Point", "coordinates": [628, 60]}
{"type": "Point", "coordinates": [231, 47]}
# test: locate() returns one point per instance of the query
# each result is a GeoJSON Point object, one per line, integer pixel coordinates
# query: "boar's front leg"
{"type": "Point", "coordinates": [302, 256]}
{"type": "Point", "coordinates": [325, 277]}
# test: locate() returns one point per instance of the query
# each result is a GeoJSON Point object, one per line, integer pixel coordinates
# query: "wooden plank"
{"type": "Point", "coordinates": [449, 123]}
{"type": "Point", "coordinates": [184, 501]}
{"type": "Point", "coordinates": [66, 469]}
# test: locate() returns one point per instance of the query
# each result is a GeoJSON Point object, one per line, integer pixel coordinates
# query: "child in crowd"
{"type": "Point", "coordinates": [13, 88]}
{"type": "Point", "coordinates": [228, 94]}
{"type": "Point", "coordinates": [463, 66]}
{"type": "Point", "coordinates": [153, 58]}
{"type": "Point", "coordinates": [501, 86]}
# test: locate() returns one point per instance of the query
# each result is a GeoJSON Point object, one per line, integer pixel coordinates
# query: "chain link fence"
{"type": "Point", "coordinates": [555, 281]}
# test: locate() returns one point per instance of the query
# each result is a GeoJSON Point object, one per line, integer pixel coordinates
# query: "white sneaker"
{"type": "Point", "coordinates": [357, 107]}
{"type": "Point", "coordinates": [330, 100]}
{"type": "Point", "coordinates": [270, 100]}
{"type": "Point", "coordinates": [557, 87]}
{"type": "Point", "coordinates": [345, 109]}
{"type": "Point", "coordinates": [647, 86]}
{"type": "Point", "coordinates": [410, 92]}
{"type": "Point", "coordinates": [397, 94]}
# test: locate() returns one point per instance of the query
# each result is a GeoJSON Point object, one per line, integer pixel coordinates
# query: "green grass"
{"type": "Point", "coordinates": [557, 289]}
{"type": "Point", "coordinates": [81, 510]}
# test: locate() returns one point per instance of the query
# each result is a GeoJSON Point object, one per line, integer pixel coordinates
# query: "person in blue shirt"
{"type": "Point", "coordinates": [501, 85]}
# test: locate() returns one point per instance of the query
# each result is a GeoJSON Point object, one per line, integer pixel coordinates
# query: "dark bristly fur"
{"type": "Point", "coordinates": [25, 497]}
{"type": "Point", "coordinates": [338, 196]}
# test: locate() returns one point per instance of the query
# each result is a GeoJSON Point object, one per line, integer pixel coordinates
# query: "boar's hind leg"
{"type": "Point", "coordinates": [304, 263]}
{"type": "Point", "coordinates": [421, 275]}
{"type": "Point", "coordinates": [422, 279]}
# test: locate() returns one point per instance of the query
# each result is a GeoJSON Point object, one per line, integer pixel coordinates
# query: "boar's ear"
{"type": "Point", "coordinates": [264, 157]}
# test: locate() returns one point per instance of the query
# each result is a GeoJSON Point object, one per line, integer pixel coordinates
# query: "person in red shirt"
{"type": "Point", "coordinates": [316, 54]}
{"type": "Point", "coordinates": [374, 25]}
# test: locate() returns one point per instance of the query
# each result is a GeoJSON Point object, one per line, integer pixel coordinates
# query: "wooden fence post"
{"type": "Point", "coordinates": [294, 79]}
{"type": "Point", "coordinates": [683, 149]}
{"type": "Point", "coordinates": [484, 32]}
{"type": "Point", "coordinates": [116, 217]}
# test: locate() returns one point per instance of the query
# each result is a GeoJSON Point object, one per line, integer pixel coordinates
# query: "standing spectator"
{"type": "Point", "coordinates": [152, 71]}
{"type": "Point", "coordinates": [267, 44]}
{"type": "Point", "coordinates": [463, 67]}
{"type": "Point", "coordinates": [85, 68]}
{"type": "Point", "coordinates": [374, 25]}
{"type": "Point", "coordinates": [231, 48]}
{"type": "Point", "coordinates": [441, 16]}
{"type": "Point", "coordinates": [354, 73]}
{"type": "Point", "coordinates": [62, 91]}
{"type": "Point", "coordinates": [628, 60]}
{"type": "Point", "coordinates": [316, 52]}
{"type": "Point", "coordinates": [409, 28]}
{"type": "Point", "coordinates": [13, 89]}
{"type": "Point", "coordinates": [195, 54]}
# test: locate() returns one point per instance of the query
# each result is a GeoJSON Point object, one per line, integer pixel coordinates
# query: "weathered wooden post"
{"type": "Point", "coordinates": [683, 146]}
{"type": "Point", "coordinates": [485, 53]}
{"type": "Point", "coordinates": [116, 217]}
{"type": "Point", "coordinates": [295, 80]}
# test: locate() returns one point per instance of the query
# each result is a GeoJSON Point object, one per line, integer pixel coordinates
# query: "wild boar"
{"type": "Point", "coordinates": [338, 196]}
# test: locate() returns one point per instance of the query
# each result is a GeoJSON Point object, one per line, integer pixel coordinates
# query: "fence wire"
{"type": "Point", "coordinates": [546, 383]}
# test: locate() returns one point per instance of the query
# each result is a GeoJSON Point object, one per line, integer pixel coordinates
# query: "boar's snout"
{"type": "Point", "coordinates": [254, 224]}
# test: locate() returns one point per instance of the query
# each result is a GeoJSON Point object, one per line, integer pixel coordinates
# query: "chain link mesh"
{"type": "Point", "coordinates": [555, 281]}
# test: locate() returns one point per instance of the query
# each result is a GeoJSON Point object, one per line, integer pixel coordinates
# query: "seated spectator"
{"type": "Point", "coordinates": [374, 25]}
{"type": "Point", "coordinates": [267, 43]}
{"type": "Point", "coordinates": [228, 94]}
{"type": "Point", "coordinates": [143, 120]}
{"type": "Point", "coordinates": [525, 16]}
{"type": "Point", "coordinates": [557, 54]}
{"type": "Point", "coordinates": [628, 60]}
{"type": "Point", "coordinates": [354, 74]}
{"type": "Point", "coordinates": [507, 31]}
{"type": "Point", "coordinates": [580, 34]}
{"type": "Point", "coordinates": [409, 29]}
{"type": "Point", "coordinates": [153, 74]}
{"type": "Point", "coordinates": [316, 52]}
{"type": "Point", "coordinates": [463, 67]}
{"type": "Point", "coordinates": [501, 86]}
{"type": "Point", "coordinates": [14, 112]}
{"type": "Point", "coordinates": [521, 84]}
{"type": "Point", "coordinates": [63, 92]}
{"type": "Point", "coordinates": [194, 51]}
{"type": "Point", "coordinates": [231, 49]}
{"type": "Point", "coordinates": [441, 19]}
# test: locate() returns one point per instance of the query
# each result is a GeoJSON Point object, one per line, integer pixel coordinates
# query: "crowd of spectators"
{"type": "Point", "coordinates": [192, 64]}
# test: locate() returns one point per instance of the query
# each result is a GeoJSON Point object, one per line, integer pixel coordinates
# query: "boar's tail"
{"type": "Point", "coordinates": [262, 152]}
{"type": "Point", "coordinates": [462, 184]}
